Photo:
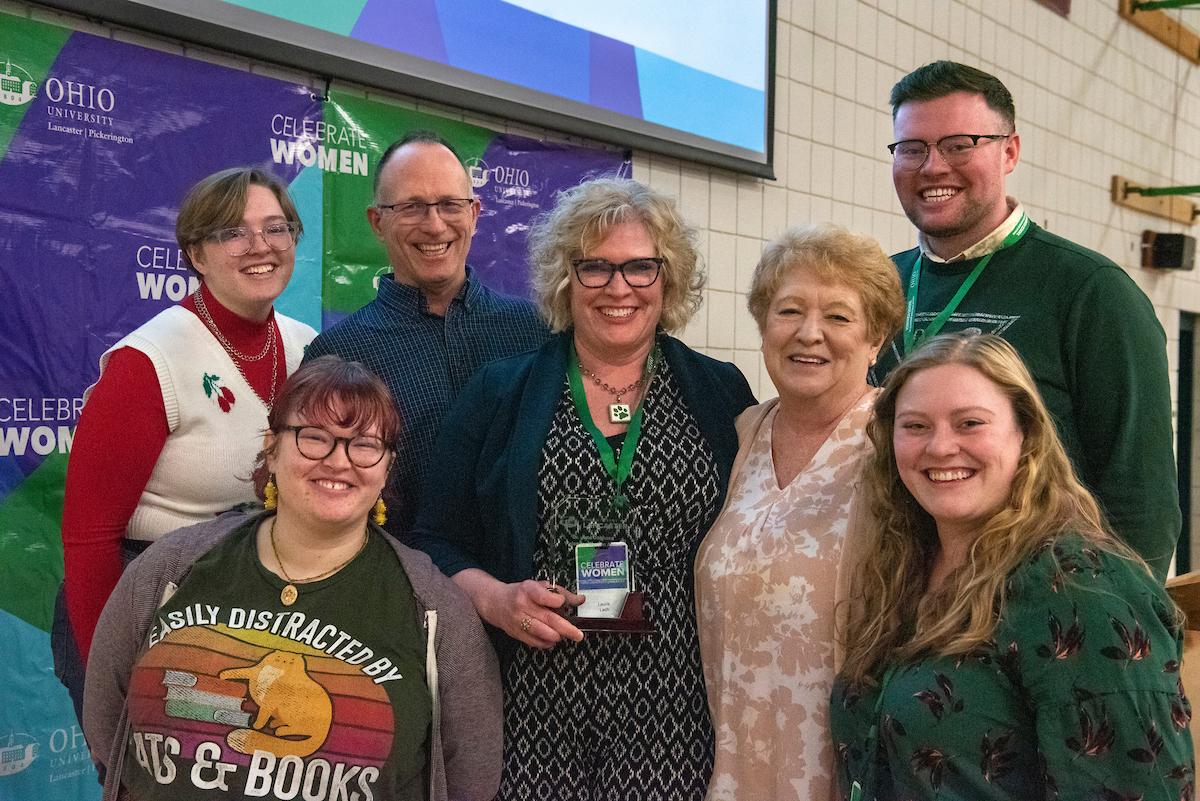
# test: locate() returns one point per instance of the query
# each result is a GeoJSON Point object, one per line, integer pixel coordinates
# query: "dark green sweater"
{"type": "Point", "coordinates": [1091, 340]}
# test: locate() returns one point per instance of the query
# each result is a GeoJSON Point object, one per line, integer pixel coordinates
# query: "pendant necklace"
{"type": "Point", "coordinates": [618, 412]}
{"type": "Point", "coordinates": [289, 593]}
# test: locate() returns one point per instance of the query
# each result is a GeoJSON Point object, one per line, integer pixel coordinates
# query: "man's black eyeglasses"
{"type": "Point", "coordinates": [956, 149]}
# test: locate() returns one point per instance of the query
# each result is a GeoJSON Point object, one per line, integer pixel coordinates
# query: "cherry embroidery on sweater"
{"type": "Point", "coordinates": [223, 394]}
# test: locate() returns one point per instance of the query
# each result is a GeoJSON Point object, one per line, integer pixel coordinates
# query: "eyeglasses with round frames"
{"type": "Point", "coordinates": [597, 273]}
{"type": "Point", "coordinates": [238, 241]}
{"type": "Point", "coordinates": [414, 211]}
{"type": "Point", "coordinates": [316, 443]}
{"type": "Point", "coordinates": [956, 149]}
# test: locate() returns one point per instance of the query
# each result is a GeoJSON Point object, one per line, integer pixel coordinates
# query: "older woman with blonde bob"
{"type": "Point", "coordinates": [613, 431]}
{"type": "Point", "coordinates": [1002, 644]}
{"type": "Point", "coordinates": [771, 569]}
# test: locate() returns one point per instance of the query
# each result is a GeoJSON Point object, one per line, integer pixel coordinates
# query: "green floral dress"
{"type": "Point", "coordinates": [1077, 698]}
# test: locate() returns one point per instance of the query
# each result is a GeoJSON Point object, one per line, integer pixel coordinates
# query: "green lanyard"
{"type": "Point", "coordinates": [617, 470]}
{"type": "Point", "coordinates": [912, 337]}
{"type": "Point", "coordinates": [872, 744]}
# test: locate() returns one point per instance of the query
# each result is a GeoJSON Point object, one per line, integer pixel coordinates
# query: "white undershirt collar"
{"type": "Point", "coordinates": [984, 246]}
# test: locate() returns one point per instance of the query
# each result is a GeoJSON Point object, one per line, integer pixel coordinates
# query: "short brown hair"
{"type": "Point", "coordinates": [837, 256]}
{"type": "Point", "coordinates": [331, 391]}
{"type": "Point", "coordinates": [940, 78]}
{"type": "Point", "coordinates": [580, 220]}
{"type": "Point", "coordinates": [219, 201]}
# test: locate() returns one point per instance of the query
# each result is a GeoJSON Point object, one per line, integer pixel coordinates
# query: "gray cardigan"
{"type": "Point", "coordinates": [466, 743]}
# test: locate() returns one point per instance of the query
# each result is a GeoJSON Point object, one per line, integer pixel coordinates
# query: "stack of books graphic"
{"type": "Point", "coordinates": [205, 698]}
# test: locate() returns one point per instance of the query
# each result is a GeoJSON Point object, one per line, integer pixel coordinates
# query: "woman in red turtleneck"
{"type": "Point", "coordinates": [169, 431]}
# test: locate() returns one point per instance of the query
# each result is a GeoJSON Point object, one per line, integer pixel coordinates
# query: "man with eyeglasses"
{"type": "Point", "coordinates": [432, 323]}
{"type": "Point", "coordinates": [1088, 334]}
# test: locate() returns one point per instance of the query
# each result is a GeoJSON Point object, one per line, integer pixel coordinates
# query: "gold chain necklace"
{"type": "Point", "coordinates": [235, 355]}
{"type": "Point", "coordinates": [617, 412]}
{"type": "Point", "coordinates": [202, 307]}
{"type": "Point", "coordinates": [289, 593]}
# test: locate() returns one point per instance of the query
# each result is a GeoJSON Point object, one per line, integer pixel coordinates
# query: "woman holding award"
{"type": "Point", "coordinates": [599, 460]}
{"type": "Point", "coordinates": [769, 572]}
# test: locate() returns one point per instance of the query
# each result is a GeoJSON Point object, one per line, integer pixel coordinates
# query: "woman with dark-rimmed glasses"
{"type": "Point", "coordinates": [599, 459]}
{"type": "Point", "coordinates": [180, 404]}
{"type": "Point", "coordinates": [299, 652]}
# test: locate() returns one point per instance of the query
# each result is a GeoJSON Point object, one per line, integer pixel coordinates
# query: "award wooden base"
{"type": "Point", "coordinates": [631, 621]}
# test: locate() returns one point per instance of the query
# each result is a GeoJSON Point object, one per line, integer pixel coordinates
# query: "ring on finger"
{"type": "Point", "coordinates": [526, 623]}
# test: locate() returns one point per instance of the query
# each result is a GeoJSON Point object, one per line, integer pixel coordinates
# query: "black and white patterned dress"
{"type": "Point", "coordinates": [620, 717]}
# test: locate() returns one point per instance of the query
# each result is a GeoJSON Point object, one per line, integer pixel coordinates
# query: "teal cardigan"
{"type": "Point", "coordinates": [478, 504]}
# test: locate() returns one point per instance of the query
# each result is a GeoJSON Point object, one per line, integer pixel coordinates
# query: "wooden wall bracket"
{"type": "Point", "coordinates": [1164, 28]}
{"type": "Point", "coordinates": [1171, 207]}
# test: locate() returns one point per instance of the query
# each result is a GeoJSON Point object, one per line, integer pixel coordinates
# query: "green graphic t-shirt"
{"type": "Point", "coordinates": [241, 696]}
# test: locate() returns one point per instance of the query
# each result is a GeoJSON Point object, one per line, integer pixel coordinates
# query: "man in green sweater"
{"type": "Point", "coordinates": [1087, 332]}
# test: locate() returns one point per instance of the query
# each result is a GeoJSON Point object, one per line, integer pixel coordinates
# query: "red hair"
{"type": "Point", "coordinates": [330, 391]}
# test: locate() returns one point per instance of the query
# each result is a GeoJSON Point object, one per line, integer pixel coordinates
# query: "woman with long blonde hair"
{"type": "Point", "coordinates": [1001, 643]}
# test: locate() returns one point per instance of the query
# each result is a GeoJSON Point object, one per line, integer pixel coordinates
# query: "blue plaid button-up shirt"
{"type": "Point", "coordinates": [426, 360]}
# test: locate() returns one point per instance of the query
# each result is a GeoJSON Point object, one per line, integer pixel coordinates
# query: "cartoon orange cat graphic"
{"type": "Point", "coordinates": [297, 706]}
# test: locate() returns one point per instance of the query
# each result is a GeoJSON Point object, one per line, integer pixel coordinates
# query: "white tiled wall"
{"type": "Point", "coordinates": [1095, 96]}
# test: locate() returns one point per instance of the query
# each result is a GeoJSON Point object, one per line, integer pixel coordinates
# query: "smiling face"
{"type": "Point", "coordinates": [958, 446]}
{"type": "Point", "coordinates": [247, 285]}
{"type": "Point", "coordinates": [814, 341]}
{"type": "Point", "coordinates": [330, 492]}
{"type": "Point", "coordinates": [430, 254]}
{"type": "Point", "coordinates": [955, 207]}
{"type": "Point", "coordinates": [617, 321]}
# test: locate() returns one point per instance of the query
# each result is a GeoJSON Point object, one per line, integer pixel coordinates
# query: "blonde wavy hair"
{"type": "Point", "coordinates": [581, 219]}
{"type": "Point", "coordinates": [890, 618]}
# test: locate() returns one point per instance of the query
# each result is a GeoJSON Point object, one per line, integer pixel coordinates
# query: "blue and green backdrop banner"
{"type": "Point", "coordinates": [99, 140]}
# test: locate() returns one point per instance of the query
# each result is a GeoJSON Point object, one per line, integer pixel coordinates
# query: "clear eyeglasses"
{"type": "Point", "coordinates": [413, 211]}
{"type": "Point", "coordinates": [238, 241]}
{"type": "Point", "coordinates": [956, 149]}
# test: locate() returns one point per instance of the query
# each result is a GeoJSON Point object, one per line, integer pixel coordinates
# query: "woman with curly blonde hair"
{"type": "Point", "coordinates": [613, 433]}
{"type": "Point", "coordinates": [1001, 643]}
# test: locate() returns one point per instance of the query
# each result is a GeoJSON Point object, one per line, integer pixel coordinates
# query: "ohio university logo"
{"type": "Point", "coordinates": [481, 174]}
{"type": "Point", "coordinates": [17, 752]}
{"type": "Point", "coordinates": [477, 170]}
{"type": "Point", "coordinates": [16, 85]}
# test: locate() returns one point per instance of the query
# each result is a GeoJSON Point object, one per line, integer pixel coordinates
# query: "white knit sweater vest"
{"type": "Point", "coordinates": [205, 465]}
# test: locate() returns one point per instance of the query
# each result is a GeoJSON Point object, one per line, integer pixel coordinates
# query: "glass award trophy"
{"type": "Point", "coordinates": [595, 558]}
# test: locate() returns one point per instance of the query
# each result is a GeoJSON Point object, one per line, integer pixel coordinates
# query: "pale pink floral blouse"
{"type": "Point", "coordinates": [766, 583]}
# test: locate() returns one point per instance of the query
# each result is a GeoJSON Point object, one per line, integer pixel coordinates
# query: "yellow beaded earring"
{"type": "Point", "coordinates": [379, 512]}
{"type": "Point", "coordinates": [270, 494]}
